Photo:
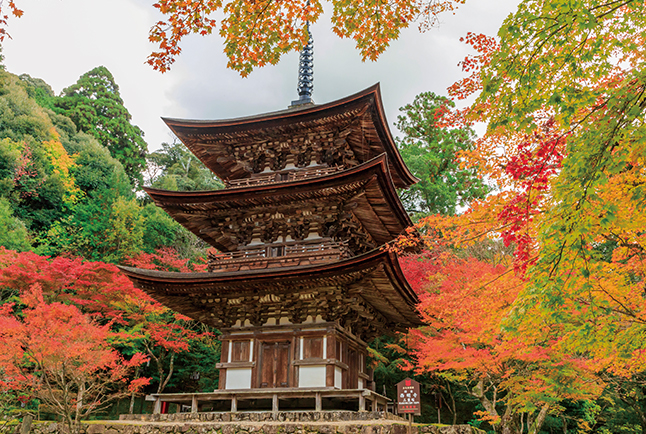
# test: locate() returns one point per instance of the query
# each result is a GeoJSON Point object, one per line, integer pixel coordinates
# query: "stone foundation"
{"type": "Point", "coordinates": [340, 427]}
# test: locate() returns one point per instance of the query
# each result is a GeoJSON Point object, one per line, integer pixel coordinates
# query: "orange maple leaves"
{"type": "Point", "coordinates": [258, 33]}
{"type": "Point", "coordinates": [4, 17]}
{"type": "Point", "coordinates": [184, 17]}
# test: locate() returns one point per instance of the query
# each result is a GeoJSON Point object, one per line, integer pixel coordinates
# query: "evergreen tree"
{"type": "Point", "coordinates": [176, 168]}
{"type": "Point", "coordinates": [95, 106]}
{"type": "Point", "coordinates": [431, 151]}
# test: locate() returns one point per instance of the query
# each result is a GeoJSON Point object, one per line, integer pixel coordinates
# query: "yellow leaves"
{"type": "Point", "coordinates": [62, 164]}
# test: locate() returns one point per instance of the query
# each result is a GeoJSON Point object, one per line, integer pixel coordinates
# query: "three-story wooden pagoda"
{"type": "Point", "coordinates": [302, 280]}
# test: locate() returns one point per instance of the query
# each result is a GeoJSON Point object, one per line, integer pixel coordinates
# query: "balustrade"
{"type": "Point", "coordinates": [279, 255]}
{"type": "Point", "coordinates": [276, 177]}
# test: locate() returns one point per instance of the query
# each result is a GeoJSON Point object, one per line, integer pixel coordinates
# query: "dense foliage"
{"type": "Point", "coordinates": [94, 105]}
{"type": "Point", "coordinates": [432, 150]}
{"type": "Point", "coordinates": [562, 90]}
{"type": "Point", "coordinates": [80, 327]}
{"type": "Point", "coordinates": [74, 332]}
{"type": "Point", "coordinates": [68, 182]}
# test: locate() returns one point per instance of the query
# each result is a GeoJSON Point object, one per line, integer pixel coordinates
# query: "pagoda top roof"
{"type": "Point", "coordinates": [361, 116]}
{"type": "Point", "coordinates": [375, 277]}
{"type": "Point", "coordinates": [366, 190]}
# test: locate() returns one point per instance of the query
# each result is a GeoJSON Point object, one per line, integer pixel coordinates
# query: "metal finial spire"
{"type": "Point", "coordinates": [306, 72]}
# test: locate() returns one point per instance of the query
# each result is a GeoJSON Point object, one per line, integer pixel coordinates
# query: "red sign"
{"type": "Point", "coordinates": [408, 397]}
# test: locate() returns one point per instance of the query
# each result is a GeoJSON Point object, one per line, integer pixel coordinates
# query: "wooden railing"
{"type": "Point", "coordinates": [278, 255]}
{"type": "Point", "coordinates": [277, 177]}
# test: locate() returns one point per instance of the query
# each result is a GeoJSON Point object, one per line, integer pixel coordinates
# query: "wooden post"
{"type": "Point", "coordinates": [362, 403]}
{"type": "Point", "coordinates": [157, 406]}
{"type": "Point", "coordinates": [193, 404]}
{"type": "Point", "coordinates": [234, 404]}
{"type": "Point", "coordinates": [274, 403]}
{"type": "Point", "coordinates": [319, 404]}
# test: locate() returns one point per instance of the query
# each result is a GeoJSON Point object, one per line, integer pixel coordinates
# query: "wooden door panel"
{"type": "Point", "coordinates": [267, 366]}
{"type": "Point", "coordinates": [274, 364]}
{"type": "Point", "coordinates": [282, 364]}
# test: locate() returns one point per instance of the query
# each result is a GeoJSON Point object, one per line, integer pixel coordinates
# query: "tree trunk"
{"type": "Point", "coordinates": [163, 383]}
{"type": "Point", "coordinates": [535, 427]}
{"type": "Point", "coordinates": [455, 414]}
{"type": "Point", "coordinates": [132, 395]}
{"type": "Point", "coordinates": [507, 425]}
{"type": "Point", "coordinates": [479, 392]}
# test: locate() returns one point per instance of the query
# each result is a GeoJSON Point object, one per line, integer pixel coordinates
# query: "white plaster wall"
{"type": "Point", "coordinates": [238, 378]}
{"type": "Point", "coordinates": [311, 376]}
{"type": "Point", "coordinates": [360, 383]}
{"type": "Point", "coordinates": [338, 377]}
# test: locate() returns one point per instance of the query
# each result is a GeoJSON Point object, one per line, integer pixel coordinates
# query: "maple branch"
{"type": "Point", "coordinates": [170, 372]}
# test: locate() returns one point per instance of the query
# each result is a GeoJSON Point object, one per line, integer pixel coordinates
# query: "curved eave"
{"type": "Point", "coordinates": [170, 285]}
{"type": "Point", "coordinates": [370, 97]}
{"type": "Point", "coordinates": [178, 203]}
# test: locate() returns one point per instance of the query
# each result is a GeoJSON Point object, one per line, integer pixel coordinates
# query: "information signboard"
{"type": "Point", "coordinates": [408, 397]}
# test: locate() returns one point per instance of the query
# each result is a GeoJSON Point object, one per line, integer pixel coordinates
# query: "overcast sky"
{"type": "Point", "coordinates": [59, 40]}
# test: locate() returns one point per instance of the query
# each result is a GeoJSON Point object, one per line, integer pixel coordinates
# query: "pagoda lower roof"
{"type": "Point", "coordinates": [370, 288]}
{"type": "Point", "coordinates": [361, 117]}
{"type": "Point", "coordinates": [366, 190]}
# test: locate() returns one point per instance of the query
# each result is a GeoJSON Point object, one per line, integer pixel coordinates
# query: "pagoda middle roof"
{"type": "Point", "coordinates": [375, 276]}
{"type": "Point", "coordinates": [367, 190]}
{"type": "Point", "coordinates": [361, 116]}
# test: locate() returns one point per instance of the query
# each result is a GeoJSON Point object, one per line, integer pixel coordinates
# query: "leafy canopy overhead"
{"type": "Point", "coordinates": [257, 33]}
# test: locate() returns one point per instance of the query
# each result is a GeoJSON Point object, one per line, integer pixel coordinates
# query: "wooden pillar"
{"type": "Point", "coordinates": [319, 403]}
{"type": "Point", "coordinates": [234, 404]}
{"type": "Point", "coordinates": [157, 406]}
{"type": "Point", "coordinates": [362, 403]}
{"type": "Point", "coordinates": [193, 404]}
{"type": "Point", "coordinates": [373, 405]}
{"type": "Point", "coordinates": [274, 403]}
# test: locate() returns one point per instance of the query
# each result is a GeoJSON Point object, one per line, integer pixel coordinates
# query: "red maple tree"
{"type": "Point", "coordinates": [62, 357]}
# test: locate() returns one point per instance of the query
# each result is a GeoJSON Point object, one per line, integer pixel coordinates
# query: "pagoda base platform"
{"type": "Point", "coordinates": [266, 416]}
{"type": "Point", "coordinates": [275, 399]}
